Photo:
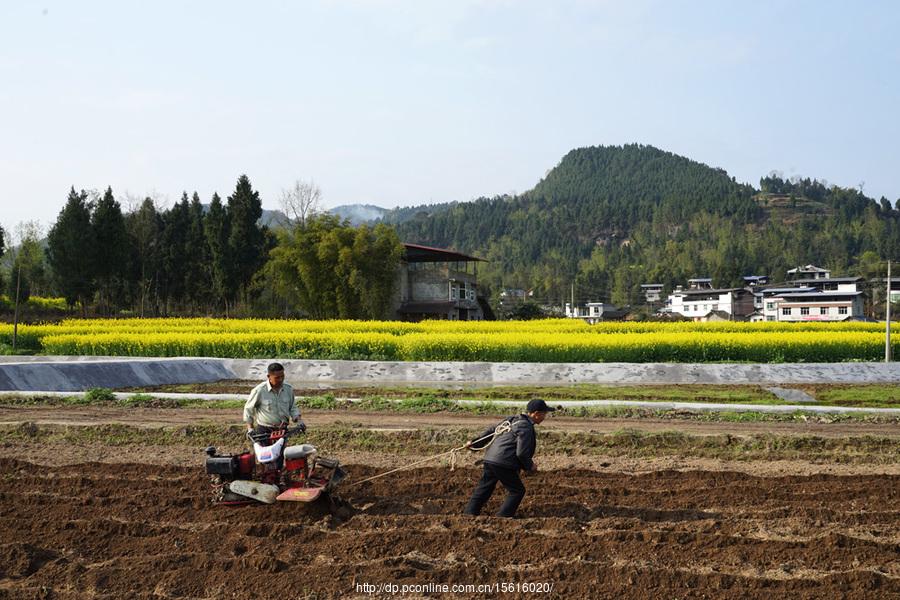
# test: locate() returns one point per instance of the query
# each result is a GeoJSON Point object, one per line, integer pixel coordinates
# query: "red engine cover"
{"type": "Point", "coordinates": [245, 465]}
{"type": "Point", "coordinates": [297, 464]}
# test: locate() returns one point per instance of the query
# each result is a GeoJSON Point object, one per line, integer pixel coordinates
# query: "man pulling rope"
{"type": "Point", "coordinates": [507, 453]}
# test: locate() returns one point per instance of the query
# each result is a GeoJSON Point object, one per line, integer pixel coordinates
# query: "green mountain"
{"type": "Point", "coordinates": [609, 218]}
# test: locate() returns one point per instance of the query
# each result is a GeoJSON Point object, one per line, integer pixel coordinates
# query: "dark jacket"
{"type": "Point", "coordinates": [513, 449]}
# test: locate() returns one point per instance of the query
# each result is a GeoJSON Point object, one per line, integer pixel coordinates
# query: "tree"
{"type": "Point", "coordinates": [27, 270]}
{"type": "Point", "coordinates": [247, 240]}
{"type": "Point", "coordinates": [328, 269]}
{"type": "Point", "coordinates": [144, 229]}
{"type": "Point", "coordinates": [526, 311]}
{"type": "Point", "coordinates": [2, 249]}
{"type": "Point", "coordinates": [216, 229]}
{"type": "Point", "coordinates": [301, 201]}
{"type": "Point", "coordinates": [198, 278]}
{"type": "Point", "coordinates": [111, 258]}
{"type": "Point", "coordinates": [70, 249]}
{"type": "Point", "coordinates": [173, 255]}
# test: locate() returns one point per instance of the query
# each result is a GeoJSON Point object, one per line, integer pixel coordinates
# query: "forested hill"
{"type": "Point", "coordinates": [611, 218]}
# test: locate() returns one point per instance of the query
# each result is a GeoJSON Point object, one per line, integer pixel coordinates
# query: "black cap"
{"type": "Point", "coordinates": [538, 405]}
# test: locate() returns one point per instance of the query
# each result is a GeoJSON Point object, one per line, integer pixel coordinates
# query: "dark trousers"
{"type": "Point", "coordinates": [515, 490]}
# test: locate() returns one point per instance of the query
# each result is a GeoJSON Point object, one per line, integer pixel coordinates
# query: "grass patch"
{"type": "Point", "coordinates": [870, 395]}
{"type": "Point", "coordinates": [428, 404]}
{"type": "Point", "coordinates": [334, 440]}
{"type": "Point", "coordinates": [99, 395]}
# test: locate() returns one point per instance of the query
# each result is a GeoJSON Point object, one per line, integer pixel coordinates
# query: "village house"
{"type": "Point", "coordinates": [699, 303]}
{"type": "Point", "coordinates": [895, 288]}
{"type": "Point", "coordinates": [815, 306]}
{"type": "Point", "coordinates": [768, 299]}
{"type": "Point", "coordinates": [808, 272]}
{"type": "Point", "coordinates": [700, 283]}
{"type": "Point", "coordinates": [652, 292]}
{"type": "Point", "coordinates": [594, 312]}
{"type": "Point", "coordinates": [833, 284]}
{"type": "Point", "coordinates": [438, 284]}
{"type": "Point", "coordinates": [755, 280]}
{"type": "Point", "coordinates": [814, 297]}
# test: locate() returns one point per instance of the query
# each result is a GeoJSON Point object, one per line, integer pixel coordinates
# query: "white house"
{"type": "Point", "coordinates": [808, 272]}
{"type": "Point", "coordinates": [593, 312]}
{"type": "Point", "coordinates": [700, 283]}
{"type": "Point", "coordinates": [766, 300]}
{"type": "Point", "coordinates": [697, 303]}
{"type": "Point", "coordinates": [652, 292]}
{"type": "Point", "coordinates": [833, 284]}
{"type": "Point", "coordinates": [815, 306]}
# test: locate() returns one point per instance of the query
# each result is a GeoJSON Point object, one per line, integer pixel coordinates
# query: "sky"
{"type": "Point", "coordinates": [398, 103]}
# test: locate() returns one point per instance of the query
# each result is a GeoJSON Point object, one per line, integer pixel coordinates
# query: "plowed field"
{"type": "Point", "coordinates": [100, 530]}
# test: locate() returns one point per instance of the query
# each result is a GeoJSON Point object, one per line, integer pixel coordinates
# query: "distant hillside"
{"type": "Point", "coordinates": [359, 213]}
{"type": "Point", "coordinates": [608, 218]}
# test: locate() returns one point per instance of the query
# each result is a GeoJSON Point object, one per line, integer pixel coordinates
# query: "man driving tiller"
{"type": "Point", "coordinates": [271, 404]}
{"type": "Point", "coordinates": [273, 470]}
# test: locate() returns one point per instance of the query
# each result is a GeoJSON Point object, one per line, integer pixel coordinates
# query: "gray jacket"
{"type": "Point", "coordinates": [513, 449]}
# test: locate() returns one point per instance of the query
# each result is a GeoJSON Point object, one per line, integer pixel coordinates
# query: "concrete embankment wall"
{"type": "Point", "coordinates": [74, 376]}
{"type": "Point", "coordinates": [44, 373]}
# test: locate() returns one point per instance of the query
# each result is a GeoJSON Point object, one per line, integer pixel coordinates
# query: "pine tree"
{"type": "Point", "coordinates": [111, 258]}
{"type": "Point", "coordinates": [144, 229]}
{"type": "Point", "coordinates": [176, 223]}
{"type": "Point", "coordinates": [197, 275]}
{"type": "Point", "coordinates": [247, 241]}
{"type": "Point", "coordinates": [70, 248]}
{"type": "Point", "coordinates": [216, 230]}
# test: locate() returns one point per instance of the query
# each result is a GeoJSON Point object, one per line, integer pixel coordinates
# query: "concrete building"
{"type": "Point", "coordinates": [652, 292]}
{"type": "Point", "coordinates": [767, 299]}
{"type": "Point", "coordinates": [895, 288]}
{"type": "Point", "coordinates": [438, 284]}
{"type": "Point", "coordinates": [833, 284]}
{"type": "Point", "coordinates": [755, 280]}
{"type": "Point", "coordinates": [795, 306]}
{"type": "Point", "coordinates": [594, 312]}
{"type": "Point", "coordinates": [808, 272]}
{"type": "Point", "coordinates": [698, 303]}
{"type": "Point", "coordinates": [700, 283]}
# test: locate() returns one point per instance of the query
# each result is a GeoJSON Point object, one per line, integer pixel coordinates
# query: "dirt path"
{"type": "Point", "coordinates": [161, 417]}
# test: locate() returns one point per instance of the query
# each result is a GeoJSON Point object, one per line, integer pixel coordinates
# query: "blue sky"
{"type": "Point", "coordinates": [400, 103]}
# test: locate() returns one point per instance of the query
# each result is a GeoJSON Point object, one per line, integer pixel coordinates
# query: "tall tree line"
{"type": "Point", "coordinates": [154, 262]}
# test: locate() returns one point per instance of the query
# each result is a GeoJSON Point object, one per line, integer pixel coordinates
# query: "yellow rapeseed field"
{"type": "Point", "coordinates": [549, 340]}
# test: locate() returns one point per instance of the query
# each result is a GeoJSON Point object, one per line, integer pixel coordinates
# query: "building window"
{"type": "Point", "coordinates": [804, 310]}
{"type": "Point", "coordinates": [842, 310]}
{"type": "Point", "coordinates": [770, 306]}
{"type": "Point", "coordinates": [823, 310]}
{"type": "Point", "coordinates": [785, 311]}
{"type": "Point", "coordinates": [770, 318]}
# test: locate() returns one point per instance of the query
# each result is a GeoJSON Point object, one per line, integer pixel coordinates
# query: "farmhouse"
{"type": "Point", "coordinates": [816, 306]}
{"type": "Point", "coordinates": [435, 283]}
{"type": "Point", "coordinates": [594, 312]}
{"type": "Point", "coordinates": [833, 284]}
{"type": "Point", "coordinates": [652, 292]}
{"type": "Point", "coordinates": [808, 272]}
{"type": "Point", "coordinates": [698, 303]}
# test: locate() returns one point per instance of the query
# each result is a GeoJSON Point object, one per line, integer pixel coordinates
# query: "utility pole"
{"type": "Point", "coordinates": [574, 312]}
{"type": "Point", "coordinates": [16, 309]}
{"type": "Point", "coordinates": [887, 318]}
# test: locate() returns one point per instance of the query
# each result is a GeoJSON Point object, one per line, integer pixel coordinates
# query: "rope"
{"type": "Point", "coordinates": [502, 428]}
